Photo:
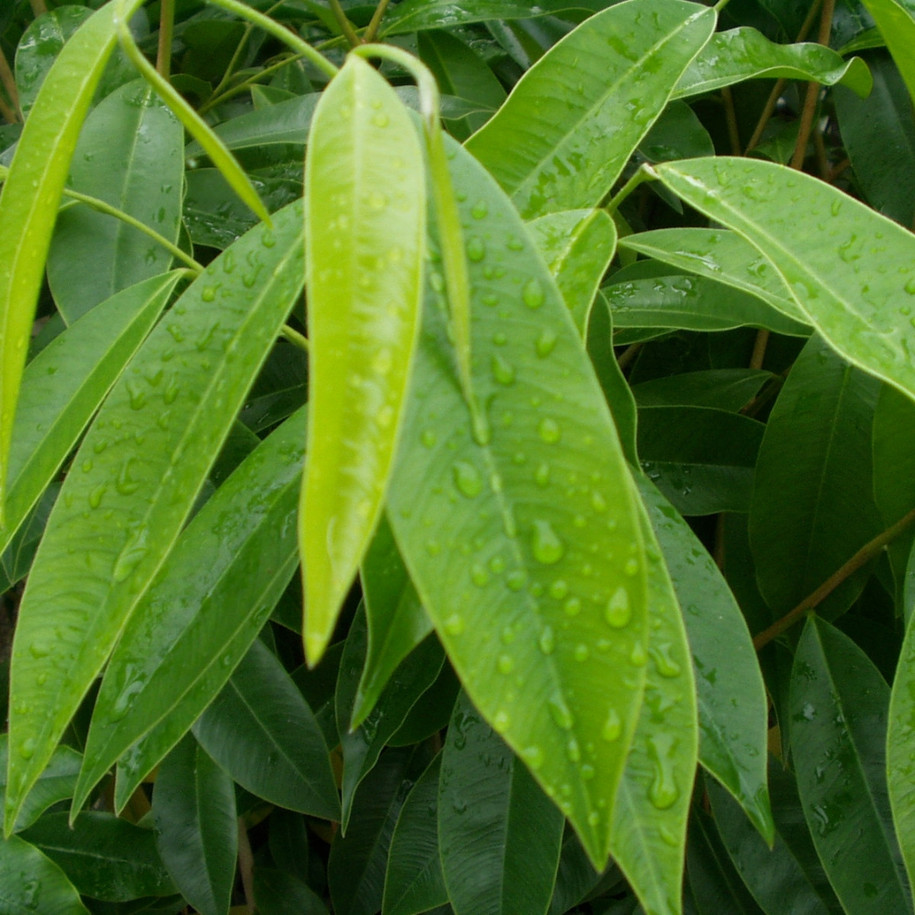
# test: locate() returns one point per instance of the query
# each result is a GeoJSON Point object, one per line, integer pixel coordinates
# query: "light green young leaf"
{"type": "Point", "coordinates": [571, 123]}
{"type": "Point", "coordinates": [125, 505]}
{"type": "Point", "coordinates": [531, 619]}
{"type": "Point", "coordinates": [900, 736]}
{"type": "Point", "coordinates": [418, 15]}
{"type": "Point", "coordinates": [652, 805]}
{"type": "Point", "coordinates": [365, 237]}
{"type": "Point", "coordinates": [824, 245]}
{"type": "Point", "coordinates": [200, 615]}
{"type": "Point", "coordinates": [744, 53]}
{"type": "Point", "coordinates": [577, 246]}
{"type": "Point", "coordinates": [64, 384]}
{"type": "Point", "coordinates": [896, 21]}
{"type": "Point", "coordinates": [31, 192]}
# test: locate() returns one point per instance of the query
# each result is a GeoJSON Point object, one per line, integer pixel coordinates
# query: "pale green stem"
{"type": "Point", "coordinates": [345, 25]}
{"type": "Point", "coordinates": [643, 174]}
{"type": "Point", "coordinates": [294, 337]}
{"type": "Point", "coordinates": [373, 26]}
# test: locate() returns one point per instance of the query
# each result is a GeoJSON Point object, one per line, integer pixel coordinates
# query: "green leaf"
{"type": "Point", "coordinates": [365, 220]}
{"type": "Point", "coordinates": [414, 881]}
{"type": "Point", "coordinates": [529, 620]}
{"type": "Point", "coordinates": [692, 303]}
{"type": "Point", "coordinates": [899, 737]}
{"type": "Point", "coordinates": [701, 459]}
{"type": "Point", "coordinates": [499, 834]}
{"type": "Point", "coordinates": [733, 709]}
{"type": "Point", "coordinates": [718, 255]}
{"type": "Point", "coordinates": [28, 878]}
{"type": "Point", "coordinates": [41, 162]}
{"type": "Point", "coordinates": [744, 53]}
{"type": "Point", "coordinates": [125, 504]}
{"type": "Point", "coordinates": [200, 614]}
{"type": "Point", "coordinates": [812, 506]}
{"type": "Point", "coordinates": [106, 858]}
{"type": "Point", "coordinates": [839, 706]}
{"type": "Point", "coordinates": [577, 246]}
{"type": "Point", "coordinates": [565, 133]}
{"type": "Point", "coordinates": [196, 827]}
{"type": "Point", "coordinates": [823, 243]}
{"type": "Point", "coordinates": [263, 733]}
{"type": "Point", "coordinates": [130, 155]}
{"type": "Point", "coordinates": [65, 383]}
{"type": "Point", "coordinates": [56, 783]}
{"type": "Point", "coordinates": [652, 805]}
{"type": "Point", "coordinates": [720, 389]}
{"type": "Point", "coordinates": [896, 21]}
{"type": "Point", "coordinates": [677, 134]}
{"type": "Point", "coordinates": [278, 893]}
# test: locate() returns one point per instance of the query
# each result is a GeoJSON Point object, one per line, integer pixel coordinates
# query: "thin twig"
{"type": "Point", "coordinates": [377, 16]}
{"type": "Point", "coordinates": [345, 25]}
{"type": "Point", "coordinates": [628, 355]}
{"type": "Point", "coordinates": [730, 116]}
{"type": "Point", "coordinates": [858, 561]}
{"type": "Point", "coordinates": [759, 348]}
{"type": "Point", "coordinates": [246, 864]}
{"type": "Point", "coordinates": [166, 31]}
{"type": "Point", "coordinates": [39, 8]}
{"type": "Point", "coordinates": [8, 81]}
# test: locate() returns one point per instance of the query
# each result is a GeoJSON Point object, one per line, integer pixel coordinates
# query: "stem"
{"type": "Point", "coordinates": [859, 560]}
{"type": "Point", "coordinates": [730, 115]}
{"type": "Point", "coordinates": [246, 864]}
{"type": "Point", "coordinates": [759, 348]}
{"type": "Point", "coordinates": [221, 94]}
{"type": "Point", "coordinates": [294, 337]}
{"type": "Point", "coordinates": [377, 16]}
{"type": "Point", "coordinates": [643, 174]}
{"type": "Point", "coordinates": [8, 81]}
{"type": "Point", "coordinates": [166, 30]}
{"type": "Point", "coordinates": [345, 25]}
{"type": "Point", "coordinates": [38, 8]}
{"type": "Point", "coordinates": [628, 355]}
{"type": "Point", "coordinates": [110, 210]}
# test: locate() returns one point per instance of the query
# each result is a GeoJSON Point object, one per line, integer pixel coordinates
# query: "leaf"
{"type": "Point", "coordinates": [200, 615]}
{"type": "Point", "coordinates": [130, 155]}
{"type": "Point", "coordinates": [263, 733]}
{"type": "Point", "coordinates": [812, 506]}
{"type": "Point", "coordinates": [125, 504]}
{"type": "Point", "coordinates": [196, 828]}
{"type": "Point", "coordinates": [277, 893]}
{"type": "Point", "coordinates": [823, 244]}
{"type": "Point", "coordinates": [28, 878]}
{"type": "Point", "coordinates": [414, 881]}
{"type": "Point", "coordinates": [896, 21]}
{"type": "Point", "coordinates": [56, 783]}
{"type": "Point", "coordinates": [365, 228]}
{"type": "Point", "coordinates": [106, 858]}
{"type": "Point", "coordinates": [499, 834]}
{"type": "Point", "coordinates": [677, 134]}
{"type": "Point", "coordinates": [701, 459]}
{"type": "Point", "coordinates": [563, 136]}
{"type": "Point", "coordinates": [720, 389]}
{"type": "Point", "coordinates": [692, 303]}
{"type": "Point", "coordinates": [530, 622]}
{"type": "Point", "coordinates": [733, 709]}
{"type": "Point", "coordinates": [839, 707]}
{"type": "Point", "coordinates": [744, 53]}
{"type": "Point", "coordinates": [42, 161]}
{"type": "Point", "coordinates": [652, 805]}
{"type": "Point", "coordinates": [577, 246]}
{"type": "Point", "coordinates": [718, 255]}
{"type": "Point", "coordinates": [899, 737]}
{"type": "Point", "coordinates": [64, 384]}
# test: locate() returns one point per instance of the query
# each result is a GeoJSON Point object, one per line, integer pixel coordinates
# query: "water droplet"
{"type": "Point", "coordinates": [618, 611]}
{"type": "Point", "coordinates": [501, 721]}
{"type": "Point", "coordinates": [428, 438]}
{"type": "Point", "coordinates": [631, 567]}
{"type": "Point", "coordinates": [497, 565]}
{"type": "Point", "coordinates": [542, 474]}
{"type": "Point", "coordinates": [663, 792]}
{"type": "Point", "coordinates": [546, 343]}
{"type": "Point", "coordinates": [380, 119]}
{"type": "Point", "coordinates": [533, 756]}
{"type": "Point", "coordinates": [454, 625]}
{"type": "Point", "coordinates": [479, 210]}
{"type": "Point", "coordinates": [516, 580]}
{"type": "Point", "coordinates": [27, 748]}
{"type": "Point", "coordinates": [910, 287]}
{"type": "Point", "coordinates": [560, 712]}
{"type": "Point", "coordinates": [136, 394]}
{"type": "Point", "coordinates": [581, 652]}
{"type": "Point", "coordinates": [476, 249]}
{"type": "Point", "coordinates": [559, 589]}
{"type": "Point", "coordinates": [547, 641]}
{"type": "Point", "coordinates": [467, 479]}
{"type": "Point", "coordinates": [508, 635]}
{"type": "Point", "coordinates": [613, 726]}
{"type": "Point", "coordinates": [549, 430]}
{"type": "Point", "coordinates": [208, 294]}
{"type": "Point", "coordinates": [95, 497]}
{"type": "Point", "coordinates": [506, 664]}
{"type": "Point", "coordinates": [125, 484]}
{"type": "Point", "coordinates": [666, 665]}
{"type": "Point", "coordinates": [502, 371]}
{"type": "Point", "coordinates": [638, 655]}
{"type": "Point", "coordinates": [532, 294]}
{"type": "Point", "coordinates": [39, 649]}
{"type": "Point", "coordinates": [573, 750]}
{"type": "Point", "coordinates": [433, 548]}
{"type": "Point", "coordinates": [545, 543]}
{"type": "Point", "coordinates": [478, 575]}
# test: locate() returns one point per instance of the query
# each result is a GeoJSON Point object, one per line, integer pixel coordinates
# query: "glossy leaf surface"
{"type": "Point", "coordinates": [529, 511]}
{"type": "Point", "coordinates": [568, 128]}
{"type": "Point", "coordinates": [899, 762]}
{"type": "Point", "coordinates": [28, 878]}
{"type": "Point", "coordinates": [896, 21]}
{"type": "Point", "coordinates": [179, 397]}
{"type": "Point", "coordinates": [365, 219]}
{"type": "Point", "coordinates": [416, 15]}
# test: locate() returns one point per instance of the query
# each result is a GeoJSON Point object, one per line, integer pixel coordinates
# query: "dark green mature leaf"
{"type": "Point", "coordinates": [414, 881]}
{"type": "Point", "coordinates": [839, 707]}
{"type": "Point", "coordinates": [417, 15]}
{"type": "Point", "coordinates": [900, 734]}
{"type": "Point", "coordinates": [200, 615]}
{"type": "Point", "coordinates": [29, 879]}
{"type": "Point", "coordinates": [823, 244]}
{"type": "Point", "coordinates": [733, 710]}
{"type": "Point", "coordinates": [812, 506]}
{"type": "Point", "coordinates": [124, 502]}
{"type": "Point", "coordinates": [278, 893]}
{"type": "Point", "coordinates": [530, 616]}
{"type": "Point", "coordinates": [499, 834]}
{"type": "Point", "coordinates": [263, 733]}
{"type": "Point", "coordinates": [196, 827]}
{"type": "Point", "coordinates": [365, 216]}
{"type": "Point", "coordinates": [568, 128]}
{"type": "Point", "coordinates": [721, 389]}
{"type": "Point", "coordinates": [129, 154]}
{"type": "Point", "coordinates": [105, 857]}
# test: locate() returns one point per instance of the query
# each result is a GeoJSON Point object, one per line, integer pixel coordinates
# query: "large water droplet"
{"type": "Point", "coordinates": [533, 756]}
{"type": "Point", "coordinates": [545, 543]}
{"type": "Point", "coordinates": [542, 474]}
{"type": "Point", "coordinates": [638, 655]}
{"type": "Point", "coordinates": [618, 612]}
{"type": "Point", "coordinates": [502, 371]}
{"type": "Point", "coordinates": [559, 589]}
{"type": "Point", "coordinates": [666, 665]}
{"type": "Point", "coordinates": [546, 343]}
{"type": "Point", "coordinates": [454, 625]}
{"type": "Point", "coordinates": [476, 249]}
{"type": "Point", "coordinates": [467, 479]}
{"type": "Point", "coordinates": [613, 726]}
{"type": "Point", "coordinates": [506, 664]}
{"type": "Point", "coordinates": [549, 430]}
{"type": "Point", "coordinates": [572, 607]}
{"type": "Point", "coordinates": [560, 712]}
{"type": "Point", "coordinates": [663, 792]}
{"type": "Point", "coordinates": [547, 641]}
{"type": "Point", "coordinates": [27, 748]}
{"type": "Point", "coordinates": [532, 294]}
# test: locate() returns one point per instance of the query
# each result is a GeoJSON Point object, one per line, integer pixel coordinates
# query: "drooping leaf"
{"type": "Point", "coordinates": [200, 615]}
{"type": "Point", "coordinates": [31, 192]}
{"type": "Point", "coordinates": [530, 618]}
{"type": "Point", "coordinates": [196, 827]}
{"type": "Point", "coordinates": [896, 21]}
{"type": "Point", "coordinates": [720, 389]}
{"type": "Point", "coordinates": [839, 706]}
{"type": "Point", "coordinates": [499, 834]}
{"type": "Point", "coordinates": [676, 134]}
{"type": "Point", "coordinates": [28, 878]}
{"type": "Point", "coordinates": [365, 219]}
{"type": "Point", "coordinates": [822, 243]}
{"type": "Point", "coordinates": [563, 136]}
{"type": "Point", "coordinates": [812, 507]}
{"type": "Point", "coordinates": [278, 892]}
{"type": "Point", "coordinates": [125, 504]}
